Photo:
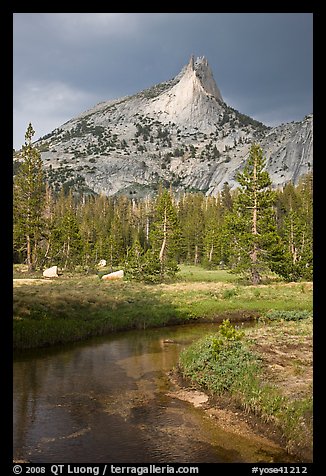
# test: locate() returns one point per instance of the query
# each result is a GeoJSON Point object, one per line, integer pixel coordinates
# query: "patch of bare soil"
{"type": "Point", "coordinates": [286, 350]}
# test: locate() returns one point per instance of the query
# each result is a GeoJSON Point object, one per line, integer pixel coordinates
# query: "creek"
{"type": "Point", "coordinates": [111, 399]}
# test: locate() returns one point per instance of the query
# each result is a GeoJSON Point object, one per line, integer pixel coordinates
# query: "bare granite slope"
{"type": "Point", "coordinates": [179, 132]}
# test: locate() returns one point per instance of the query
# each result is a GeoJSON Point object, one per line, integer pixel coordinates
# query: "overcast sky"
{"type": "Point", "coordinates": [65, 63]}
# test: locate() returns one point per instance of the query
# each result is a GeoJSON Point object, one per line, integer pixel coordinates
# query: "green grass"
{"type": "Point", "coordinates": [223, 364]}
{"type": "Point", "coordinates": [287, 315]}
{"type": "Point", "coordinates": [212, 300]}
{"type": "Point", "coordinates": [192, 274]}
{"type": "Point", "coordinates": [75, 307]}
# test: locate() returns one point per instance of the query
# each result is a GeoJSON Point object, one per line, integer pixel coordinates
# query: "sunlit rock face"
{"type": "Point", "coordinates": [178, 133]}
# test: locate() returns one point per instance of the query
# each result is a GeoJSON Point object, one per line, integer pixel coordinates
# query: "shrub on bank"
{"type": "Point", "coordinates": [219, 360]}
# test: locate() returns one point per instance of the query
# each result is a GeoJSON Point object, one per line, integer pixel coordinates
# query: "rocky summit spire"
{"type": "Point", "coordinates": [200, 68]}
{"type": "Point", "coordinates": [194, 99]}
{"type": "Point", "coordinates": [192, 62]}
{"type": "Point", "coordinates": [205, 75]}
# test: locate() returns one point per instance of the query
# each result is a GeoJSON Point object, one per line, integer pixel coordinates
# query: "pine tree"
{"type": "Point", "coordinates": [29, 202]}
{"type": "Point", "coordinates": [134, 262]}
{"type": "Point", "coordinates": [165, 235]}
{"type": "Point", "coordinates": [252, 231]}
{"type": "Point", "coordinates": [66, 240]}
{"type": "Point", "coordinates": [214, 217]}
{"type": "Point", "coordinates": [212, 245]}
{"type": "Point", "coordinates": [192, 226]}
{"type": "Point", "coordinates": [305, 189]}
{"type": "Point", "coordinates": [226, 198]}
{"type": "Point", "coordinates": [115, 250]}
{"type": "Point", "coordinates": [49, 203]}
{"type": "Point", "coordinates": [295, 228]}
{"type": "Point", "coordinates": [101, 215]}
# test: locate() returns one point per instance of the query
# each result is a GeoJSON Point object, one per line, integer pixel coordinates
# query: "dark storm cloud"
{"type": "Point", "coordinates": [66, 63]}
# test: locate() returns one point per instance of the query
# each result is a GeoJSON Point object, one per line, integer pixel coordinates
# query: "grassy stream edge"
{"type": "Point", "coordinates": [225, 363]}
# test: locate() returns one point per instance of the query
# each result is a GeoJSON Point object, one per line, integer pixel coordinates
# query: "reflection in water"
{"type": "Point", "coordinates": [109, 400]}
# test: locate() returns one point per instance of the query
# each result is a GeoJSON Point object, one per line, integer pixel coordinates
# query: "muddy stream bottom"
{"type": "Point", "coordinates": [112, 400]}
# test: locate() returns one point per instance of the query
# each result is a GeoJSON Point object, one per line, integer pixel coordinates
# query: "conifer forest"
{"type": "Point", "coordinates": [254, 229]}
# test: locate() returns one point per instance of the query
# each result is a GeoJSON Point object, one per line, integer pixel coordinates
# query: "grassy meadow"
{"type": "Point", "coordinates": [75, 306]}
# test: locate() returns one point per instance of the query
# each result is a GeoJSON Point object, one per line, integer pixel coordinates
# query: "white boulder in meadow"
{"type": "Point", "coordinates": [112, 276]}
{"type": "Point", "coordinates": [102, 263]}
{"type": "Point", "coordinates": [51, 272]}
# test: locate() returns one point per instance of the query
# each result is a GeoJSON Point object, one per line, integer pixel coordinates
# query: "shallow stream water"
{"type": "Point", "coordinates": [111, 400]}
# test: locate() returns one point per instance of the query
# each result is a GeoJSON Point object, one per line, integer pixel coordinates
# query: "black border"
{"type": "Point", "coordinates": [6, 237]}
